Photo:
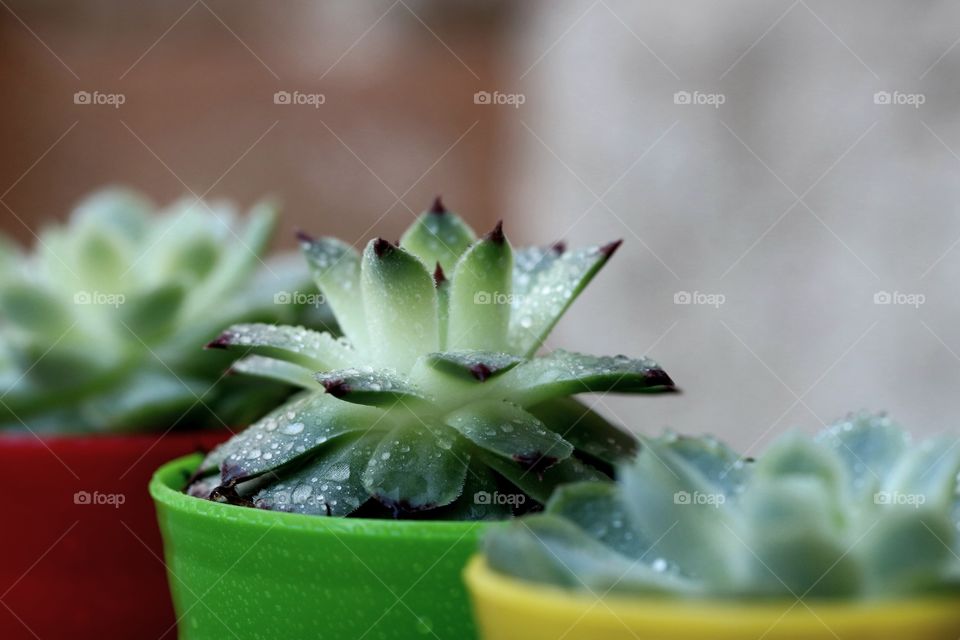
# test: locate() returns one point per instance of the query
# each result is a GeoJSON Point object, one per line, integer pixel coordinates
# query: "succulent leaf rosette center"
{"type": "Point", "coordinates": [434, 394]}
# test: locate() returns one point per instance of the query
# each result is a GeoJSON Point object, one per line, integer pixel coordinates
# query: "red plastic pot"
{"type": "Point", "coordinates": [82, 554]}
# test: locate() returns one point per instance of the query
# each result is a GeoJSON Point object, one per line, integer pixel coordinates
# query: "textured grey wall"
{"type": "Point", "coordinates": [797, 199]}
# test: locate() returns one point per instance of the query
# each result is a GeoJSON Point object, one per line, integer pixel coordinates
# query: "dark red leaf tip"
{"type": "Point", "coordinates": [559, 247]}
{"type": "Point", "coordinates": [303, 236]}
{"type": "Point", "coordinates": [382, 247]}
{"type": "Point", "coordinates": [437, 207]}
{"type": "Point", "coordinates": [609, 249]}
{"type": "Point", "coordinates": [658, 377]}
{"type": "Point", "coordinates": [496, 235]}
{"type": "Point", "coordinates": [336, 388]}
{"type": "Point", "coordinates": [481, 371]}
{"type": "Point", "coordinates": [535, 462]}
{"type": "Point", "coordinates": [222, 342]}
{"type": "Point", "coordinates": [439, 277]}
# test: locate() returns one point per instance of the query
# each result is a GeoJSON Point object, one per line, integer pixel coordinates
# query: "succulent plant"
{"type": "Point", "coordinates": [856, 512]}
{"type": "Point", "coordinates": [101, 326]}
{"type": "Point", "coordinates": [434, 400]}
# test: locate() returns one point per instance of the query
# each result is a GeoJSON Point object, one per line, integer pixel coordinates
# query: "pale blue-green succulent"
{"type": "Point", "coordinates": [434, 400]}
{"type": "Point", "coordinates": [102, 324]}
{"type": "Point", "coordinates": [857, 512]}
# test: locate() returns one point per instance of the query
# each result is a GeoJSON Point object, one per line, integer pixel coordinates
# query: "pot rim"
{"type": "Point", "coordinates": [495, 588]}
{"type": "Point", "coordinates": [166, 488]}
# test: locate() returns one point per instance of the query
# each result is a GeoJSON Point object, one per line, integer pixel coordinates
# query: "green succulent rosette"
{"type": "Point", "coordinates": [102, 324]}
{"type": "Point", "coordinates": [434, 402]}
{"type": "Point", "coordinates": [857, 512]}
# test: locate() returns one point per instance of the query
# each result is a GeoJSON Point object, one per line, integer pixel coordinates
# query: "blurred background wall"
{"type": "Point", "coordinates": [784, 174]}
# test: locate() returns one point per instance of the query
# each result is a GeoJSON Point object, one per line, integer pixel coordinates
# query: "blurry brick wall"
{"type": "Point", "coordinates": [198, 81]}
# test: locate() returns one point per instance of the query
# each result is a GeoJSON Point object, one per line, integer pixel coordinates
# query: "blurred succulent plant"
{"type": "Point", "coordinates": [857, 512]}
{"type": "Point", "coordinates": [101, 326]}
{"type": "Point", "coordinates": [433, 401]}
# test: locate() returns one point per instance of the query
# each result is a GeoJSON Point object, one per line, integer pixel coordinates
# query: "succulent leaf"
{"type": "Point", "coordinates": [661, 490]}
{"type": "Point", "coordinates": [564, 373]}
{"type": "Point", "coordinates": [538, 483]}
{"type": "Point", "coordinates": [415, 468]}
{"type": "Point", "coordinates": [480, 295]}
{"type": "Point", "coordinates": [551, 286]}
{"type": "Point", "coordinates": [473, 365]}
{"type": "Point", "coordinates": [595, 507]}
{"type": "Point", "coordinates": [869, 445]}
{"type": "Point", "coordinates": [400, 301]}
{"type": "Point", "coordinates": [507, 430]}
{"type": "Point", "coordinates": [297, 345]}
{"type": "Point", "coordinates": [438, 237]}
{"type": "Point", "coordinates": [587, 430]}
{"type": "Point", "coordinates": [290, 432]}
{"type": "Point", "coordinates": [153, 313]}
{"type": "Point", "coordinates": [329, 485]}
{"type": "Point", "coordinates": [30, 308]}
{"type": "Point", "coordinates": [545, 548]}
{"type": "Point", "coordinates": [280, 370]}
{"type": "Point", "coordinates": [376, 388]}
{"type": "Point", "coordinates": [336, 270]}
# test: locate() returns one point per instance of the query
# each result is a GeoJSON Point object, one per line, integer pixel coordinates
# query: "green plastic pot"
{"type": "Point", "coordinates": [238, 572]}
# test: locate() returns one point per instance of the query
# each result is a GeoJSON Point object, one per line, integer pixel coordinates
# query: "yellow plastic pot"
{"type": "Point", "coordinates": [508, 609]}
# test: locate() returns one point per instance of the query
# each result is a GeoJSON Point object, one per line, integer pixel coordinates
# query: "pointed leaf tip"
{"type": "Point", "coordinates": [382, 247]}
{"type": "Point", "coordinates": [559, 247]}
{"type": "Point", "coordinates": [303, 236]}
{"type": "Point", "coordinates": [221, 342]}
{"type": "Point", "coordinates": [496, 235]}
{"type": "Point", "coordinates": [609, 249]}
{"type": "Point", "coordinates": [659, 377]}
{"type": "Point", "coordinates": [536, 463]}
{"type": "Point", "coordinates": [337, 388]}
{"type": "Point", "coordinates": [481, 371]}
{"type": "Point", "coordinates": [439, 277]}
{"type": "Point", "coordinates": [437, 208]}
